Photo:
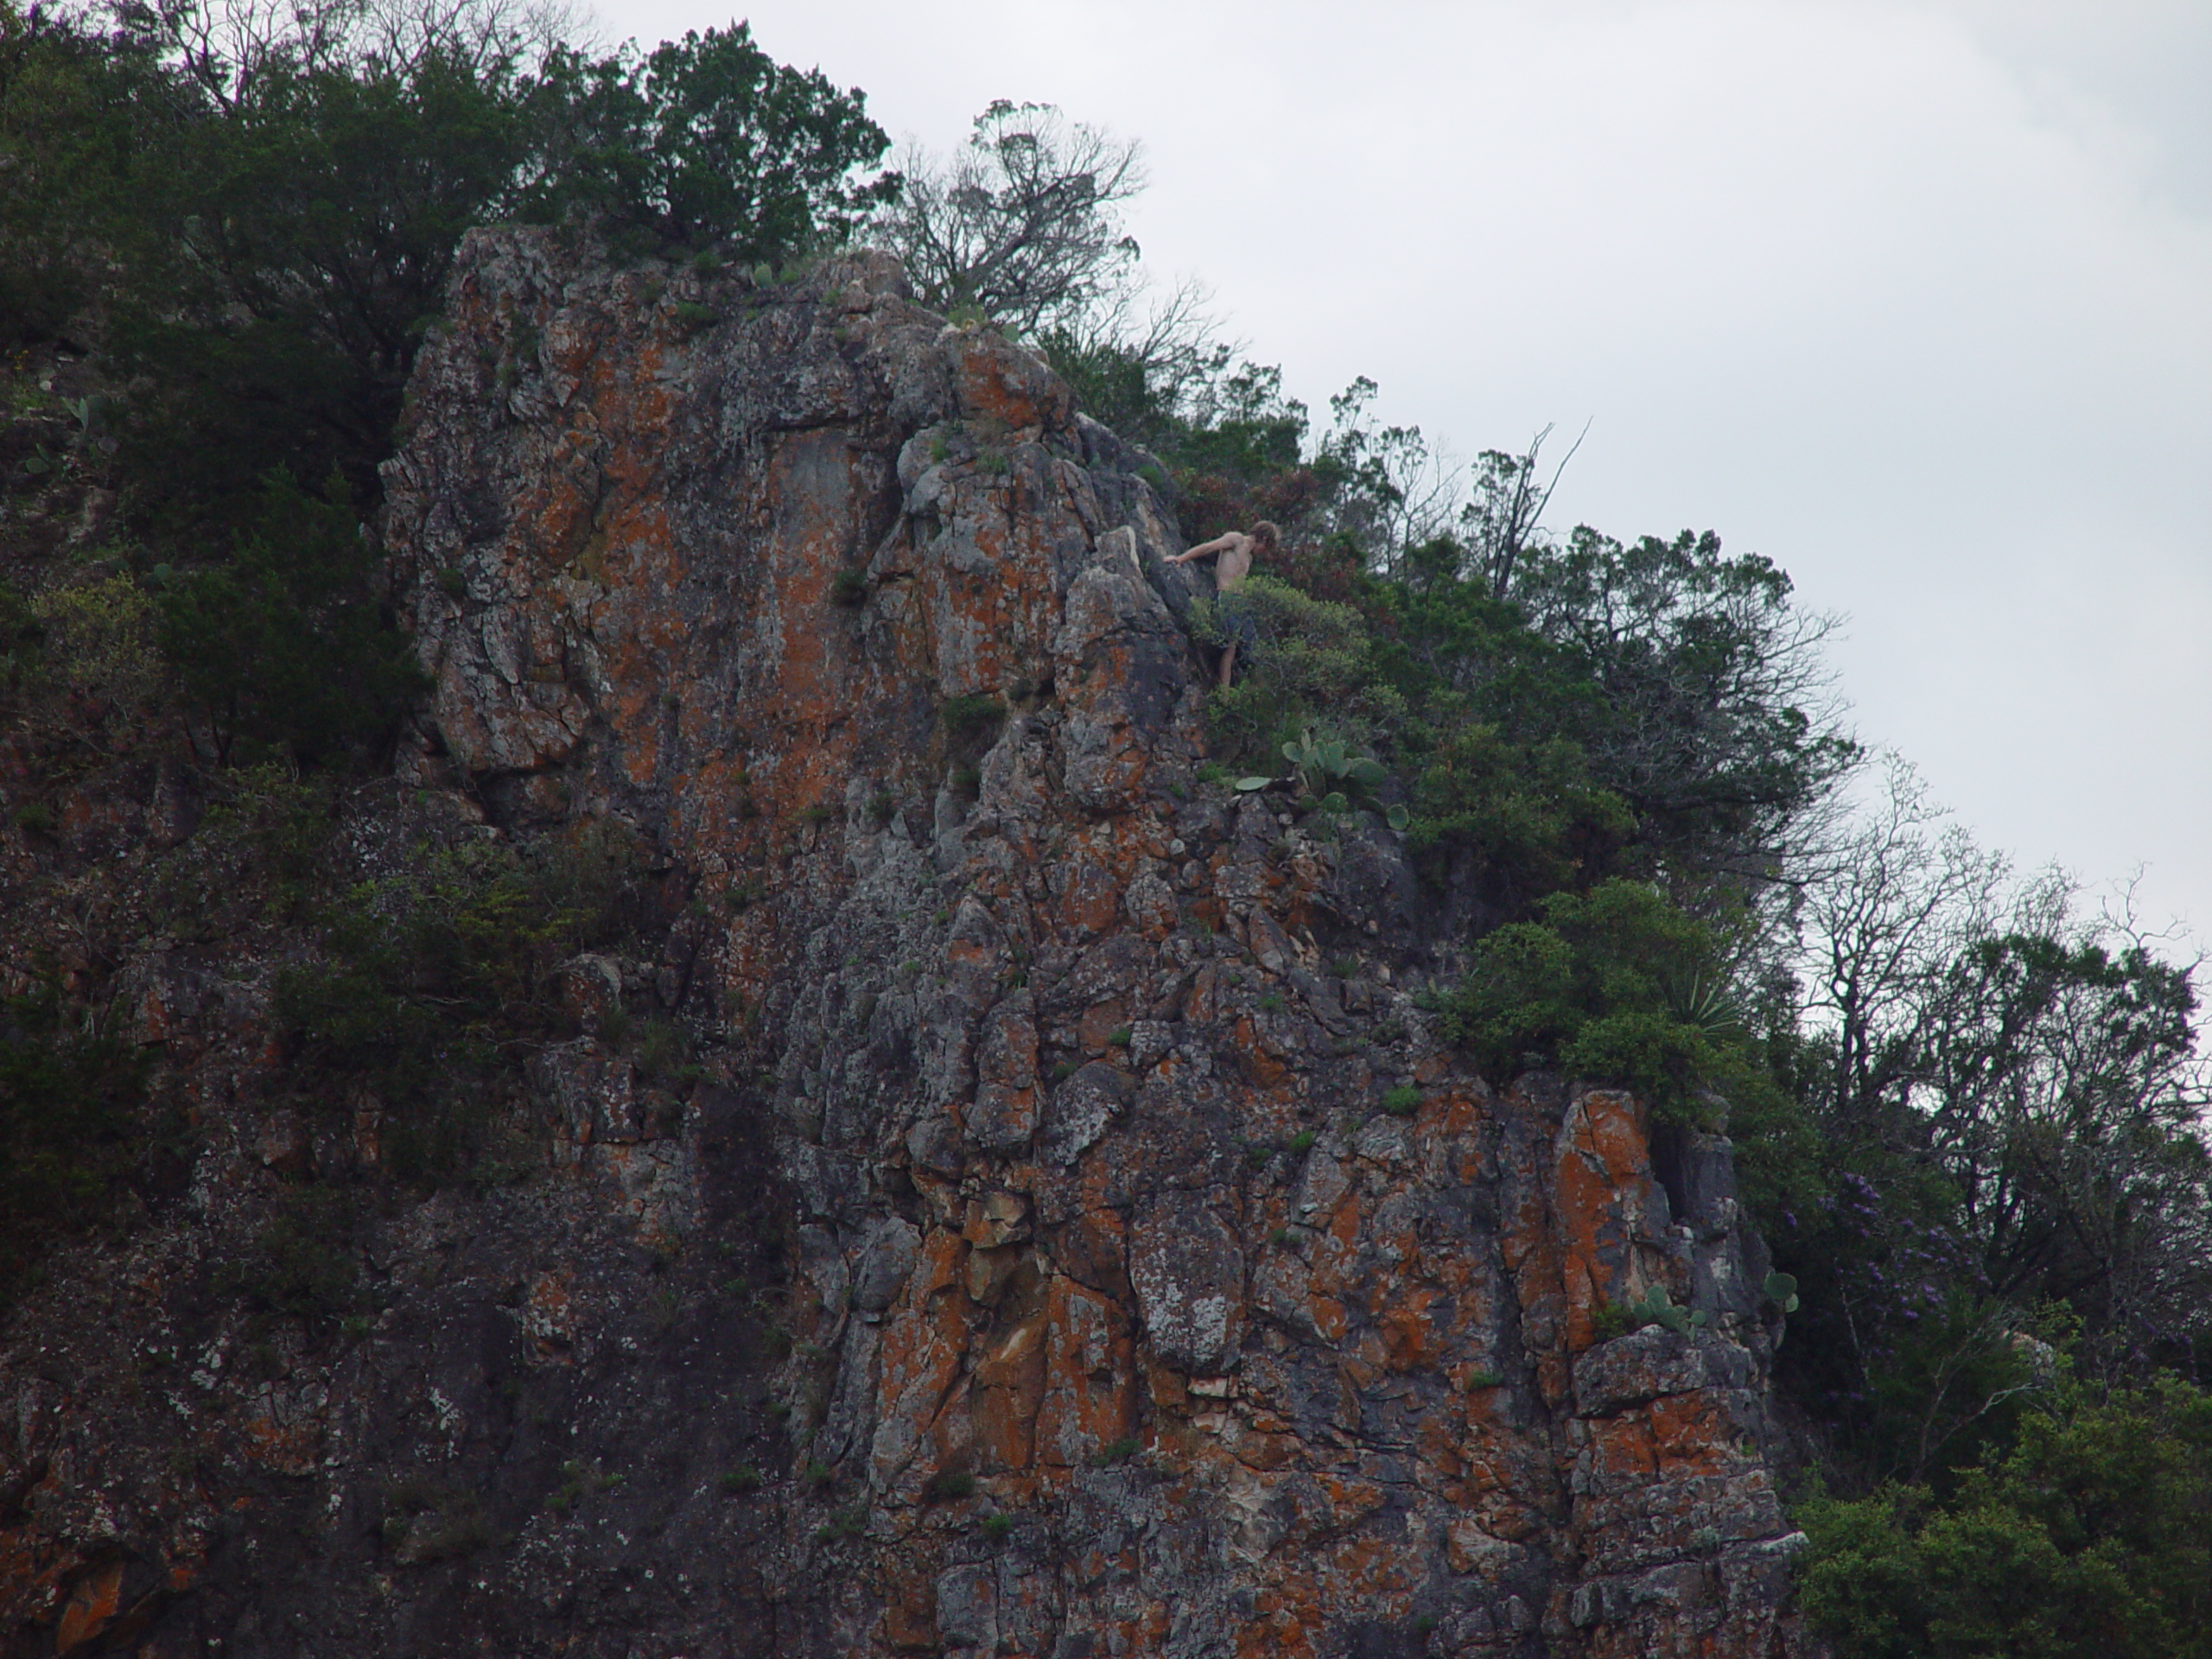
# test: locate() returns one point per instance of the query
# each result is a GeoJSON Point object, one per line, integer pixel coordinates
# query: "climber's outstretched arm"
{"type": "Point", "coordinates": [1220, 543]}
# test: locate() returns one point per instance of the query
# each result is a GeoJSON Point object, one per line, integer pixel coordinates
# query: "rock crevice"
{"type": "Point", "coordinates": [1124, 1318]}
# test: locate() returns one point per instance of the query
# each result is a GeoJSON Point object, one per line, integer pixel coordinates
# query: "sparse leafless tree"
{"type": "Point", "coordinates": [1505, 516]}
{"type": "Point", "coordinates": [223, 45]}
{"type": "Point", "coordinates": [2038, 1055]}
{"type": "Point", "coordinates": [1023, 222]}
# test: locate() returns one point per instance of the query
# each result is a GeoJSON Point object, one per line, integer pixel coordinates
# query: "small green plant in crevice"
{"type": "Point", "coordinates": [452, 584]}
{"type": "Point", "coordinates": [971, 716]}
{"type": "Point", "coordinates": [1119, 1037]}
{"type": "Point", "coordinates": [949, 1486]}
{"type": "Point", "coordinates": [1281, 1235]}
{"type": "Point", "coordinates": [1119, 1451]}
{"type": "Point", "coordinates": [36, 818]}
{"type": "Point", "coordinates": [848, 1523]}
{"type": "Point", "coordinates": [303, 1262]}
{"type": "Point", "coordinates": [1063, 1070]}
{"type": "Point", "coordinates": [997, 1528]}
{"type": "Point", "coordinates": [1258, 1154]}
{"type": "Point", "coordinates": [1610, 1319]}
{"type": "Point", "coordinates": [1403, 1101]}
{"type": "Point", "coordinates": [1654, 1307]}
{"type": "Point", "coordinates": [1485, 1378]}
{"type": "Point", "coordinates": [694, 316]}
{"type": "Point", "coordinates": [579, 1480]}
{"type": "Point", "coordinates": [1303, 1141]}
{"type": "Point", "coordinates": [425, 1520]}
{"type": "Point", "coordinates": [880, 808]}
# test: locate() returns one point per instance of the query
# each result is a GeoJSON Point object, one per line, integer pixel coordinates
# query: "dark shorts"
{"type": "Point", "coordinates": [1239, 627]}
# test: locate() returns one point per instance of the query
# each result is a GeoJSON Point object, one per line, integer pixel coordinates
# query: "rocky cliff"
{"type": "Point", "coordinates": [1069, 1238]}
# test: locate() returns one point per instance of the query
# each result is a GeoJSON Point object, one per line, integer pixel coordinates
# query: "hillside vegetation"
{"type": "Point", "coordinates": [1966, 1101]}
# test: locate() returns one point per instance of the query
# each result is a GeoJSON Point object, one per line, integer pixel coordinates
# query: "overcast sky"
{"type": "Point", "coordinates": [1913, 296]}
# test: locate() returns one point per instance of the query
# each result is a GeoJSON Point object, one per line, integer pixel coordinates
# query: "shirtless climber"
{"type": "Point", "coordinates": [1236, 552]}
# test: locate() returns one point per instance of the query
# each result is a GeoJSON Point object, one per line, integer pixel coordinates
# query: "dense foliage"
{"type": "Point", "coordinates": [2089, 1534]}
{"type": "Point", "coordinates": [250, 213]}
{"type": "Point", "coordinates": [434, 986]}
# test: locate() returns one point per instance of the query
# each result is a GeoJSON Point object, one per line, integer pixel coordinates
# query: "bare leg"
{"type": "Point", "coordinates": [1228, 663]}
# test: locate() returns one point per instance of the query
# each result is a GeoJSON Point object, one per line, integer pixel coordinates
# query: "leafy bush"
{"type": "Point", "coordinates": [2090, 1535]}
{"type": "Point", "coordinates": [70, 1097]}
{"type": "Point", "coordinates": [99, 641]}
{"type": "Point", "coordinates": [303, 1262]}
{"type": "Point", "coordinates": [266, 229]}
{"type": "Point", "coordinates": [1603, 987]}
{"type": "Point", "coordinates": [970, 716]}
{"type": "Point", "coordinates": [433, 986]}
{"type": "Point", "coordinates": [285, 644]}
{"type": "Point", "coordinates": [1309, 672]}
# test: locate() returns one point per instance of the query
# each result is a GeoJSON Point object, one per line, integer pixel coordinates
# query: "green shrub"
{"type": "Point", "coordinates": [949, 1486]}
{"type": "Point", "coordinates": [71, 1093]}
{"type": "Point", "coordinates": [284, 643]}
{"type": "Point", "coordinates": [1403, 1101]}
{"type": "Point", "coordinates": [971, 716]}
{"type": "Point", "coordinates": [2092, 1535]}
{"type": "Point", "coordinates": [1612, 1319]}
{"type": "Point", "coordinates": [1601, 988]}
{"type": "Point", "coordinates": [434, 985]}
{"type": "Point", "coordinates": [848, 1523]}
{"type": "Point", "coordinates": [848, 588]}
{"type": "Point", "coordinates": [100, 641]}
{"type": "Point", "coordinates": [303, 1262]}
{"type": "Point", "coordinates": [1310, 669]}
{"type": "Point", "coordinates": [1527, 812]}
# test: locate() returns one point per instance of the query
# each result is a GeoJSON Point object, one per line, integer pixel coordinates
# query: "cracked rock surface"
{"type": "Point", "coordinates": [1122, 1317]}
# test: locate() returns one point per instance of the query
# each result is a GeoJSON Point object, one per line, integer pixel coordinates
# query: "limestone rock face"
{"type": "Point", "coordinates": [1124, 1318]}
